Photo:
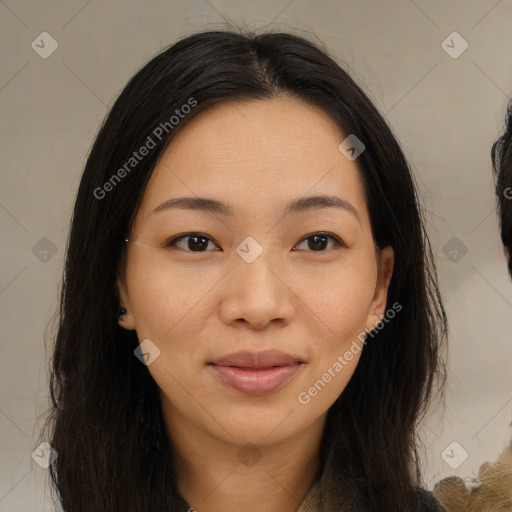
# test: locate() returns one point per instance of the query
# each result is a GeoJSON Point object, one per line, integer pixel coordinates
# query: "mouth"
{"type": "Point", "coordinates": [256, 374]}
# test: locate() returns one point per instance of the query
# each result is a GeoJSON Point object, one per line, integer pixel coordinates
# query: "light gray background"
{"type": "Point", "coordinates": [446, 112]}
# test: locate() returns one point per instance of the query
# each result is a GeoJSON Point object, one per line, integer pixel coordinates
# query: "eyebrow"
{"type": "Point", "coordinates": [297, 206]}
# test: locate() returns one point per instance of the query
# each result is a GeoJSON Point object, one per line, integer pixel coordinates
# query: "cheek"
{"type": "Point", "coordinates": [341, 298]}
{"type": "Point", "coordinates": [166, 300]}
{"type": "Point", "coordinates": [341, 302]}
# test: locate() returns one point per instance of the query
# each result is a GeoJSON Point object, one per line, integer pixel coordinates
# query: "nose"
{"type": "Point", "coordinates": [257, 294]}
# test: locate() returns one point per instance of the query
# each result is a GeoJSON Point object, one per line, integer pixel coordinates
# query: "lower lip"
{"type": "Point", "coordinates": [253, 381]}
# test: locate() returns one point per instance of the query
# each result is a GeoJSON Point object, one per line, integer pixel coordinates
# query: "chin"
{"type": "Point", "coordinates": [260, 422]}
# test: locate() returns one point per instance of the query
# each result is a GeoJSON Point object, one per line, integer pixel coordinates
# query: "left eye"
{"type": "Point", "coordinates": [198, 242]}
{"type": "Point", "coordinates": [318, 241]}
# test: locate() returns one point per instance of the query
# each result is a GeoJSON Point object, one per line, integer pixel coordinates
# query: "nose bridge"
{"type": "Point", "coordinates": [256, 272]}
{"type": "Point", "coordinates": [258, 293]}
{"type": "Point", "coordinates": [259, 273]}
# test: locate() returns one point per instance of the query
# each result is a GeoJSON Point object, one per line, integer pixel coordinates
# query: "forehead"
{"type": "Point", "coordinates": [256, 153]}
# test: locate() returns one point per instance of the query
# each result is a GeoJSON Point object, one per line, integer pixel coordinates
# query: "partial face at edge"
{"type": "Point", "coordinates": [199, 300]}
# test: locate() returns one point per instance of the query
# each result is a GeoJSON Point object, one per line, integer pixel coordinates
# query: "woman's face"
{"type": "Point", "coordinates": [253, 311]}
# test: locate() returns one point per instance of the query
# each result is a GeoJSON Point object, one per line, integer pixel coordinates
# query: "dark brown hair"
{"type": "Point", "coordinates": [501, 155]}
{"type": "Point", "coordinates": [106, 421]}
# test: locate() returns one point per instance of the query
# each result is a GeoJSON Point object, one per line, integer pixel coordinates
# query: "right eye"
{"type": "Point", "coordinates": [193, 242]}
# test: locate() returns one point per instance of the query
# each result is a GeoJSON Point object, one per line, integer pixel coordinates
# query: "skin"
{"type": "Point", "coordinates": [198, 306]}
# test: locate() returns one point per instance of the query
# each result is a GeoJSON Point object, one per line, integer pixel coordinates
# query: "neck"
{"type": "Point", "coordinates": [215, 474]}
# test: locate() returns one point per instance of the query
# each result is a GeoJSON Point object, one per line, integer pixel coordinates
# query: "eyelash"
{"type": "Point", "coordinates": [338, 241]}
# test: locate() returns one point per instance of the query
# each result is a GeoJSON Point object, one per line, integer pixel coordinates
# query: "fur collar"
{"type": "Point", "coordinates": [491, 492]}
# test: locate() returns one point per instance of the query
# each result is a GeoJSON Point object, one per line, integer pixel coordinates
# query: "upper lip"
{"type": "Point", "coordinates": [265, 359]}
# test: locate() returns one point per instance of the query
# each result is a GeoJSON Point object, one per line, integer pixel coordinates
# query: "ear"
{"type": "Point", "coordinates": [377, 309]}
{"type": "Point", "coordinates": [125, 320]}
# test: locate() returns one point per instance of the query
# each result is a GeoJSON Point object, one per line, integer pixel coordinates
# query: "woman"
{"type": "Point", "coordinates": [250, 318]}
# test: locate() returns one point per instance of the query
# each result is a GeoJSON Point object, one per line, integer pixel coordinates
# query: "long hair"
{"type": "Point", "coordinates": [501, 155]}
{"type": "Point", "coordinates": [106, 422]}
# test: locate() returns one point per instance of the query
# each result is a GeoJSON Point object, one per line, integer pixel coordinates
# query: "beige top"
{"type": "Point", "coordinates": [309, 504]}
{"type": "Point", "coordinates": [312, 502]}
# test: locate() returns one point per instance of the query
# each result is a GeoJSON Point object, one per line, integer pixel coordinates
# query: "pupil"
{"type": "Point", "coordinates": [318, 241]}
{"type": "Point", "coordinates": [192, 242]}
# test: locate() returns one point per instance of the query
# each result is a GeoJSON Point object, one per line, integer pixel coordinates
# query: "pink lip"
{"type": "Point", "coordinates": [256, 373]}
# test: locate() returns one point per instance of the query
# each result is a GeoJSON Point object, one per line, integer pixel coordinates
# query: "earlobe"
{"type": "Point", "coordinates": [385, 272]}
{"type": "Point", "coordinates": [125, 317]}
